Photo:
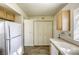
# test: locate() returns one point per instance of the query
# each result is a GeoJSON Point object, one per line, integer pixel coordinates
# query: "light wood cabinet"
{"type": "Point", "coordinates": [2, 13]}
{"type": "Point", "coordinates": [5, 14]}
{"type": "Point", "coordinates": [59, 22]}
{"type": "Point", "coordinates": [63, 21]}
{"type": "Point", "coordinates": [10, 16]}
{"type": "Point", "coordinates": [66, 20]}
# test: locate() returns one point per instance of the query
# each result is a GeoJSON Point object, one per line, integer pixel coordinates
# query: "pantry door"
{"type": "Point", "coordinates": [28, 33]}
{"type": "Point", "coordinates": [42, 32]}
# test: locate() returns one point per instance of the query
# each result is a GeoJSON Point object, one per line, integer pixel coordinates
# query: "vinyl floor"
{"type": "Point", "coordinates": [37, 50]}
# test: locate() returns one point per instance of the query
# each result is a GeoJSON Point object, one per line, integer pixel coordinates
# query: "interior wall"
{"type": "Point", "coordinates": [41, 17]}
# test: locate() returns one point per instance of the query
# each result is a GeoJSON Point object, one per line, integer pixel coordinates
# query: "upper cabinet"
{"type": "Point", "coordinates": [63, 21]}
{"type": "Point", "coordinates": [10, 16]}
{"type": "Point", "coordinates": [2, 13]}
{"type": "Point", "coordinates": [5, 14]}
{"type": "Point", "coordinates": [59, 22]}
{"type": "Point", "coordinates": [66, 20]}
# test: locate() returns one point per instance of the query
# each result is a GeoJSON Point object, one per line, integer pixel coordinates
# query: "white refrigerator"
{"type": "Point", "coordinates": [11, 42]}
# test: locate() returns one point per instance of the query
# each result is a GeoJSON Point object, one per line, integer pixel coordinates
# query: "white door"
{"type": "Point", "coordinates": [36, 35]}
{"type": "Point", "coordinates": [47, 32]}
{"type": "Point", "coordinates": [28, 33]}
{"type": "Point", "coordinates": [42, 33]}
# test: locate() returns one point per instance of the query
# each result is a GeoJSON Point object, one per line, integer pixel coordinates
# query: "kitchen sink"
{"type": "Point", "coordinates": [66, 48]}
{"type": "Point", "coordinates": [74, 52]}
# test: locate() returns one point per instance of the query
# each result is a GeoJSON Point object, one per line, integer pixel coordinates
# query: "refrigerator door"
{"type": "Point", "coordinates": [13, 29]}
{"type": "Point", "coordinates": [2, 41]}
{"type": "Point", "coordinates": [15, 44]}
{"type": "Point", "coordinates": [13, 37]}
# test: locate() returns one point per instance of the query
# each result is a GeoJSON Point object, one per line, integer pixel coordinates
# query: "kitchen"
{"type": "Point", "coordinates": [43, 29]}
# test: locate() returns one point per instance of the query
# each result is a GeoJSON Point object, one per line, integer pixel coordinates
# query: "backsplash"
{"type": "Point", "coordinates": [69, 38]}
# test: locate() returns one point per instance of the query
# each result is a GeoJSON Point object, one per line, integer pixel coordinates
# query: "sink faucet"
{"type": "Point", "coordinates": [62, 32]}
{"type": "Point", "coordinates": [59, 35]}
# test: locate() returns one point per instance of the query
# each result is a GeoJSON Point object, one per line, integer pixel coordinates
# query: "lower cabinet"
{"type": "Point", "coordinates": [53, 50]}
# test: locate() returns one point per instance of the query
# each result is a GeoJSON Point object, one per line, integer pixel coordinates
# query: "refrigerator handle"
{"type": "Point", "coordinates": [7, 41]}
{"type": "Point", "coordinates": [9, 38]}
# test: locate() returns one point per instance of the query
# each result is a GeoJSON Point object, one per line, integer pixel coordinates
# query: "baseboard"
{"type": "Point", "coordinates": [41, 45]}
{"type": "Point", "coordinates": [38, 46]}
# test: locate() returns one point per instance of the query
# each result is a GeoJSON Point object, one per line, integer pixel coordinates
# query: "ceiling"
{"type": "Point", "coordinates": [41, 9]}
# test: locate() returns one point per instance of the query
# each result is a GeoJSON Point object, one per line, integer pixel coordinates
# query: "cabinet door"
{"type": "Point", "coordinates": [2, 13]}
{"type": "Point", "coordinates": [10, 16]}
{"type": "Point", "coordinates": [59, 22]}
{"type": "Point", "coordinates": [6, 14]}
{"type": "Point", "coordinates": [65, 20]}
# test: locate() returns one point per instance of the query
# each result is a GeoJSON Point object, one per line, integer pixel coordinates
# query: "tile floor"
{"type": "Point", "coordinates": [37, 50]}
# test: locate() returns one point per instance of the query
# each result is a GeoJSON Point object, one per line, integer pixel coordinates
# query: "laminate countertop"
{"type": "Point", "coordinates": [65, 47]}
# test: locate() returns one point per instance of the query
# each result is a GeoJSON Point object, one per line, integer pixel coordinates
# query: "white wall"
{"type": "Point", "coordinates": [41, 17]}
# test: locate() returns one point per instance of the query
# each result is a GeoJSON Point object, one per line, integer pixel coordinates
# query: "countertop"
{"type": "Point", "coordinates": [65, 47]}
